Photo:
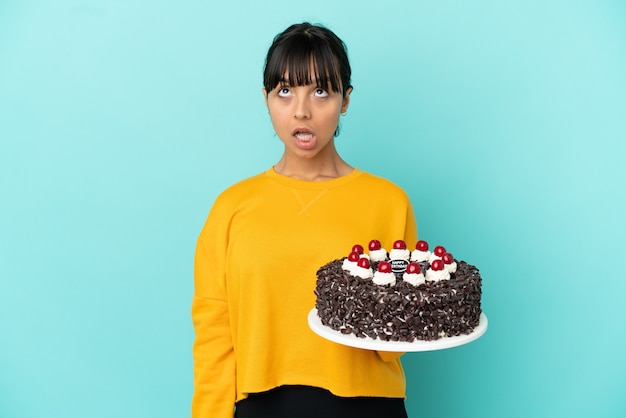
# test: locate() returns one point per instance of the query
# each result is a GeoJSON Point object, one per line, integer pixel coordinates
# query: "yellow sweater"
{"type": "Point", "coordinates": [255, 266]}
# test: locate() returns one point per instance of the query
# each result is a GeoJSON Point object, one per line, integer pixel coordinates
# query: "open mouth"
{"type": "Point", "coordinates": [303, 134]}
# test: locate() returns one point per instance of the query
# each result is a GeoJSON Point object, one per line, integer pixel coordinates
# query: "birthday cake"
{"type": "Point", "coordinates": [400, 295]}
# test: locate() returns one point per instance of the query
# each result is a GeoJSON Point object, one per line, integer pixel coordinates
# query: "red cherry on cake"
{"type": "Point", "coordinates": [447, 258]}
{"type": "Point", "coordinates": [421, 245]}
{"type": "Point", "coordinates": [439, 251]}
{"type": "Point", "coordinates": [364, 263]}
{"type": "Point", "coordinates": [436, 265]}
{"type": "Point", "coordinates": [413, 268]}
{"type": "Point", "coordinates": [374, 245]}
{"type": "Point", "coordinates": [358, 248]}
{"type": "Point", "coordinates": [384, 267]}
{"type": "Point", "coordinates": [354, 256]}
{"type": "Point", "coordinates": [399, 245]}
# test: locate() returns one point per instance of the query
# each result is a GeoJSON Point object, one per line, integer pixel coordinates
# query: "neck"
{"type": "Point", "coordinates": [312, 169]}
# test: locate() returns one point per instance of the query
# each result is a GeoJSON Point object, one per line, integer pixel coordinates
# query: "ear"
{"type": "Point", "coordinates": [264, 95]}
{"type": "Point", "coordinates": [346, 100]}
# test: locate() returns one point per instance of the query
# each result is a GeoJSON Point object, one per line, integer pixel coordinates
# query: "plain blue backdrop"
{"type": "Point", "coordinates": [121, 121]}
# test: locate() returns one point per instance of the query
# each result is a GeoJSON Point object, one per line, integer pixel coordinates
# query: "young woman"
{"type": "Point", "coordinates": [263, 241]}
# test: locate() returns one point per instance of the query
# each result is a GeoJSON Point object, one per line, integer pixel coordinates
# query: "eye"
{"type": "Point", "coordinates": [284, 92]}
{"type": "Point", "coordinates": [320, 92]}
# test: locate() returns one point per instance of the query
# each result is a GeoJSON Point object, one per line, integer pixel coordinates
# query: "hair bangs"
{"type": "Point", "coordinates": [303, 61]}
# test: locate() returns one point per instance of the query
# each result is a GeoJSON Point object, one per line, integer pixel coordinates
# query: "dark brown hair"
{"type": "Point", "coordinates": [304, 47]}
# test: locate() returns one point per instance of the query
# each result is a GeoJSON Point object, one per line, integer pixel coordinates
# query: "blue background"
{"type": "Point", "coordinates": [120, 122]}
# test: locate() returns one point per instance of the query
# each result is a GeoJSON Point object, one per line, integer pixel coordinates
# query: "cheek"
{"type": "Point", "coordinates": [277, 115]}
{"type": "Point", "coordinates": [332, 115]}
{"type": "Point", "coordinates": [331, 110]}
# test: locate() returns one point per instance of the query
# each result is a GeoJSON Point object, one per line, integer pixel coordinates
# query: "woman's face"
{"type": "Point", "coordinates": [305, 117]}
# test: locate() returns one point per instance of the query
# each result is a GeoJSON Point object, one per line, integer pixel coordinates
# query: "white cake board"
{"type": "Point", "coordinates": [394, 346]}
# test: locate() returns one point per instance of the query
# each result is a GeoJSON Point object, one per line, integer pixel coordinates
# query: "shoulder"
{"type": "Point", "coordinates": [378, 184]}
{"type": "Point", "coordinates": [235, 198]}
{"type": "Point", "coordinates": [253, 189]}
{"type": "Point", "coordinates": [243, 187]}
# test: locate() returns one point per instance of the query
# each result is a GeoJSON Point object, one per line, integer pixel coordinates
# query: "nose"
{"type": "Point", "coordinates": [301, 107]}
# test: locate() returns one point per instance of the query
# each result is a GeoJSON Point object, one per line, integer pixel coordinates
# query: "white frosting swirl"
{"type": "Point", "coordinates": [450, 267]}
{"type": "Point", "coordinates": [397, 254]}
{"type": "Point", "coordinates": [363, 273]}
{"type": "Point", "coordinates": [348, 265]}
{"type": "Point", "coordinates": [433, 257]}
{"type": "Point", "coordinates": [378, 255]}
{"type": "Point", "coordinates": [420, 256]}
{"type": "Point", "coordinates": [415, 279]}
{"type": "Point", "coordinates": [438, 275]}
{"type": "Point", "coordinates": [382, 279]}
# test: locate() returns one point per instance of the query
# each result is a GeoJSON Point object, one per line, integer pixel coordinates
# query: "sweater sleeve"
{"type": "Point", "coordinates": [214, 360]}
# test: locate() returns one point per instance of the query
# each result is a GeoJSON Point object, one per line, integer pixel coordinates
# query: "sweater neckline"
{"type": "Point", "coordinates": [325, 184]}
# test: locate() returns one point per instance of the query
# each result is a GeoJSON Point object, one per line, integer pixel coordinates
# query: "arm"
{"type": "Point", "coordinates": [214, 360]}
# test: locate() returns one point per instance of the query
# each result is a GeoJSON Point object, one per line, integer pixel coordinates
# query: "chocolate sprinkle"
{"type": "Point", "coordinates": [402, 312]}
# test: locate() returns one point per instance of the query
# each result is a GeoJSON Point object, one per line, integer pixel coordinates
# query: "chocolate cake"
{"type": "Point", "coordinates": [425, 296]}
